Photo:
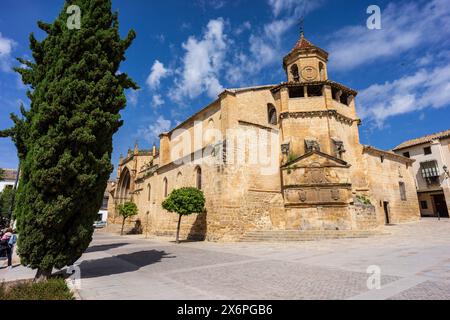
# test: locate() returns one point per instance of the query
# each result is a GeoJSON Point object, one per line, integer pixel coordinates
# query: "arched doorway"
{"type": "Point", "coordinates": [123, 192]}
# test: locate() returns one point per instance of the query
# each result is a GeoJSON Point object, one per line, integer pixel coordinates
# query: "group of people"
{"type": "Point", "coordinates": [7, 242]}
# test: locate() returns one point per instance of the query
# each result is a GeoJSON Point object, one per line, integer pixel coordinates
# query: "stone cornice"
{"type": "Point", "coordinates": [387, 154]}
{"type": "Point", "coordinates": [317, 185]}
{"type": "Point", "coordinates": [131, 156]}
{"type": "Point", "coordinates": [312, 83]}
{"type": "Point", "coordinates": [320, 114]}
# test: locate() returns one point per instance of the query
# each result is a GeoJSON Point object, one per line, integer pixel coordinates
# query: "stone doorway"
{"type": "Point", "coordinates": [440, 205]}
{"type": "Point", "coordinates": [386, 212]}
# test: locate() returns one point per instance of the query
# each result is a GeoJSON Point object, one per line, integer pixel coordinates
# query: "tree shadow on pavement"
{"type": "Point", "coordinates": [105, 247]}
{"type": "Point", "coordinates": [121, 264]}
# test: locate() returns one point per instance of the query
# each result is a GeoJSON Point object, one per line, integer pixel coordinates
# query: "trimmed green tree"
{"type": "Point", "coordinates": [2, 172]}
{"type": "Point", "coordinates": [6, 201]}
{"type": "Point", "coordinates": [127, 210]}
{"type": "Point", "coordinates": [184, 202]}
{"type": "Point", "coordinates": [64, 140]}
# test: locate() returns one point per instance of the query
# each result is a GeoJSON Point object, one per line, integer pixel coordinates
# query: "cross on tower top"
{"type": "Point", "coordinates": [301, 24]}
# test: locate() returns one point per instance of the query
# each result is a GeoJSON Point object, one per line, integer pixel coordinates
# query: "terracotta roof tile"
{"type": "Point", "coordinates": [422, 140]}
{"type": "Point", "coordinates": [303, 43]}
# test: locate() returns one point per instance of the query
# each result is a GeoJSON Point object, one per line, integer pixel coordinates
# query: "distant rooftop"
{"type": "Point", "coordinates": [422, 140]}
{"type": "Point", "coordinates": [9, 175]}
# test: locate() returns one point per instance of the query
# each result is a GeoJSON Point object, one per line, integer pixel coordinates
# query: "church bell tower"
{"type": "Point", "coordinates": [306, 62]}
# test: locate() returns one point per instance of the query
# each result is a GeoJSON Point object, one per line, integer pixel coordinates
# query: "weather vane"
{"type": "Point", "coordinates": [301, 24]}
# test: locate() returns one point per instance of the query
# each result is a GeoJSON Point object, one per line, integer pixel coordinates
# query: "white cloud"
{"type": "Point", "coordinates": [266, 43]}
{"type": "Point", "coordinates": [214, 4]}
{"type": "Point", "coordinates": [151, 133]}
{"type": "Point", "coordinates": [6, 47]}
{"type": "Point", "coordinates": [243, 27]}
{"type": "Point", "coordinates": [133, 97]}
{"type": "Point", "coordinates": [202, 63]}
{"type": "Point", "coordinates": [404, 26]}
{"type": "Point", "coordinates": [300, 7]}
{"type": "Point", "coordinates": [157, 73]}
{"type": "Point", "coordinates": [157, 101]}
{"type": "Point", "coordinates": [215, 59]}
{"type": "Point", "coordinates": [427, 88]}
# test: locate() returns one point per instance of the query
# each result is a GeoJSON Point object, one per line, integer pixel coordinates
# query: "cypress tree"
{"type": "Point", "coordinates": [64, 140]}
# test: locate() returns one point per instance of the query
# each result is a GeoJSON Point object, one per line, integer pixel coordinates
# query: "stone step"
{"type": "Point", "coordinates": [307, 235]}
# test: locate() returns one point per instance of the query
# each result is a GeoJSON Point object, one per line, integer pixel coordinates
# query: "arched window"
{"type": "Point", "coordinates": [179, 178]}
{"type": "Point", "coordinates": [165, 188]}
{"type": "Point", "coordinates": [322, 71]}
{"type": "Point", "coordinates": [294, 72]}
{"type": "Point", "coordinates": [198, 178]}
{"type": "Point", "coordinates": [149, 190]}
{"type": "Point", "coordinates": [272, 114]}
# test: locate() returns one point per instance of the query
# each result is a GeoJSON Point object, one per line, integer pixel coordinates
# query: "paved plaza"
{"type": "Point", "coordinates": [414, 261]}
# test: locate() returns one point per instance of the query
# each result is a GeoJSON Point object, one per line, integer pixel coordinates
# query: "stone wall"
{"type": "Point", "coordinates": [364, 217]}
{"type": "Point", "coordinates": [250, 195]}
{"type": "Point", "coordinates": [384, 176]}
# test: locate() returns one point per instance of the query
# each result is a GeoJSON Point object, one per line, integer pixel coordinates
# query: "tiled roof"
{"type": "Point", "coordinates": [422, 140]}
{"type": "Point", "coordinates": [303, 43]}
{"type": "Point", "coordinates": [9, 175]}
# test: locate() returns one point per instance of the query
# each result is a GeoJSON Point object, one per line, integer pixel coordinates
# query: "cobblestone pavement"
{"type": "Point", "coordinates": [414, 261]}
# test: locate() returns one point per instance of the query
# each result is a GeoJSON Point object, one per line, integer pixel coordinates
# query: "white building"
{"type": "Point", "coordinates": [8, 179]}
{"type": "Point", "coordinates": [103, 213]}
{"type": "Point", "coordinates": [431, 171]}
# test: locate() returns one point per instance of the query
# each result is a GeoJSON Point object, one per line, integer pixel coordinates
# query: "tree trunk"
{"type": "Point", "coordinates": [178, 229]}
{"type": "Point", "coordinates": [123, 224]}
{"type": "Point", "coordinates": [43, 275]}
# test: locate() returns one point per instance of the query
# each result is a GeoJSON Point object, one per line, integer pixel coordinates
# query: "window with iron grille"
{"type": "Point", "coordinates": [430, 171]}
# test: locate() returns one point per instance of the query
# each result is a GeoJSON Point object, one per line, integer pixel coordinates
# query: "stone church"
{"type": "Point", "coordinates": [271, 158]}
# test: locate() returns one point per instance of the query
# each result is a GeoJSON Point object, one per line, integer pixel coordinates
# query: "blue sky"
{"type": "Point", "coordinates": [186, 52]}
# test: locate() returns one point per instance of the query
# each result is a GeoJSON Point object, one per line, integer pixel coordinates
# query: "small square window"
{"type": "Point", "coordinates": [424, 205]}
{"type": "Point", "coordinates": [406, 154]}
{"type": "Point", "coordinates": [427, 150]}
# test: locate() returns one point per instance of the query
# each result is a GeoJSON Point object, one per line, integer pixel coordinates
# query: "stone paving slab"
{"type": "Point", "coordinates": [414, 261]}
{"type": "Point", "coordinates": [428, 290]}
{"type": "Point", "coordinates": [279, 280]}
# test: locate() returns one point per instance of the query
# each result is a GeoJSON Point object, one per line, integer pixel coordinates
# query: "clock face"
{"type": "Point", "coordinates": [309, 73]}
